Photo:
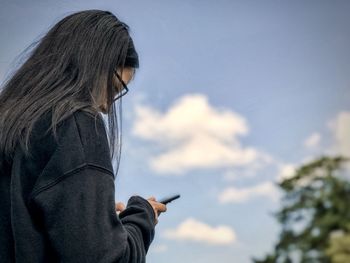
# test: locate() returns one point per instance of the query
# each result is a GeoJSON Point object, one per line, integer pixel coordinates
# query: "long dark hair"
{"type": "Point", "coordinates": [67, 70]}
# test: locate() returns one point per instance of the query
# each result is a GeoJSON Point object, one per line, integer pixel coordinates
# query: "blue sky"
{"type": "Point", "coordinates": [230, 97]}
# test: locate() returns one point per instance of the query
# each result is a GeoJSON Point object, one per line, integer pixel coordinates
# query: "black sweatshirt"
{"type": "Point", "coordinates": [58, 205]}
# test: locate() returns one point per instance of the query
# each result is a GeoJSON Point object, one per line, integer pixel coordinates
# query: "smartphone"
{"type": "Point", "coordinates": [169, 199]}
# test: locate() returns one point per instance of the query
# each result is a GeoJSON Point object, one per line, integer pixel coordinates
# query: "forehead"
{"type": "Point", "coordinates": [127, 71]}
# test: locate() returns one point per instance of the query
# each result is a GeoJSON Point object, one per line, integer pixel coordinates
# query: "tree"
{"type": "Point", "coordinates": [315, 205]}
{"type": "Point", "coordinates": [339, 248]}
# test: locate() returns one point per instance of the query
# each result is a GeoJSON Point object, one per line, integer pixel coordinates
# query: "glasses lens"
{"type": "Point", "coordinates": [122, 92]}
{"type": "Point", "coordinates": [124, 88]}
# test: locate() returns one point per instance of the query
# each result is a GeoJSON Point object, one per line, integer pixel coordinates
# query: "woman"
{"type": "Point", "coordinates": [57, 178]}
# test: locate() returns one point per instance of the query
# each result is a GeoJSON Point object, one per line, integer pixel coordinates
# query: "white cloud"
{"type": "Point", "coordinates": [189, 116]}
{"type": "Point", "coordinates": [286, 171]}
{"type": "Point", "coordinates": [194, 230]}
{"type": "Point", "coordinates": [250, 170]}
{"type": "Point", "coordinates": [240, 195]}
{"type": "Point", "coordinates": [338, 144]}
{"type": "Point", "coordinates": [313, 140]}
{"type": "Point", "coordinates": [159, 248]}
{"type": "Point", "coordinates": [340, 127]}
{"type": "Point", "coordinates": [195, 135]}
{"type": "Point", "coordinates": [202, 151]}
{"type": "Point", "coordinates": [289, 170]}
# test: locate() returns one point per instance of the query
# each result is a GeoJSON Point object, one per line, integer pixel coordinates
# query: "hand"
{"type": "Point", "coordinates": [119, 207]}
{"type": "Point", "coordinates": [157, 207]}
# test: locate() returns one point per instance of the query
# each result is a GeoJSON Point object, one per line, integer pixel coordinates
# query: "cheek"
{"type": "Point", "coordinates": [127, 76]}
{"type": "Point", "coordinates": [116, 85]}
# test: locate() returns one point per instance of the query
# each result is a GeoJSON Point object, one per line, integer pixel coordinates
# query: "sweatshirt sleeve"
{"type": "Point", "coordinates": [78, 214]}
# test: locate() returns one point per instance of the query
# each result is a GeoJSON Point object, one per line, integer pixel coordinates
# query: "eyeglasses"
{"type": "Point", "coordinates": [123, 91]}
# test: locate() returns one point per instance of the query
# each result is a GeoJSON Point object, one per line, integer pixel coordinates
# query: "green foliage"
{"type": "Point", "coordinates": [315, 205]}
{"type": "Point", "coordinates": [339, 248]}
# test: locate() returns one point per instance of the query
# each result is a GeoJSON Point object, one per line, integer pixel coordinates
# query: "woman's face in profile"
{"type": "Point", "coordinates": [126, 76]}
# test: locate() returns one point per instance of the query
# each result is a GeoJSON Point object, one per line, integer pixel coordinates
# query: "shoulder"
{"type": "Point", "coordinates": [81, 139]}
{"type": "Point", "coordinates": [93, 138]}
{"type": "Point", "coordinates": [85, 133]}
{"type": "Point", "coordinates": [89, 124]}
{"type": "Point", "coordinates": [81, 142]}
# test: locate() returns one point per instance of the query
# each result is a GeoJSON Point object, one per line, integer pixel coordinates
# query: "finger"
{"type": "Point", "coordinates": [156, 213]}
{"type": "Point", "coordinates": [119, 206]}
{"type": "Point", "coordinates": [160, 207]}
{"type": "Point", "coordinates": [152, 198]}
{"type": "Point", "coordinates": [153, 204]}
